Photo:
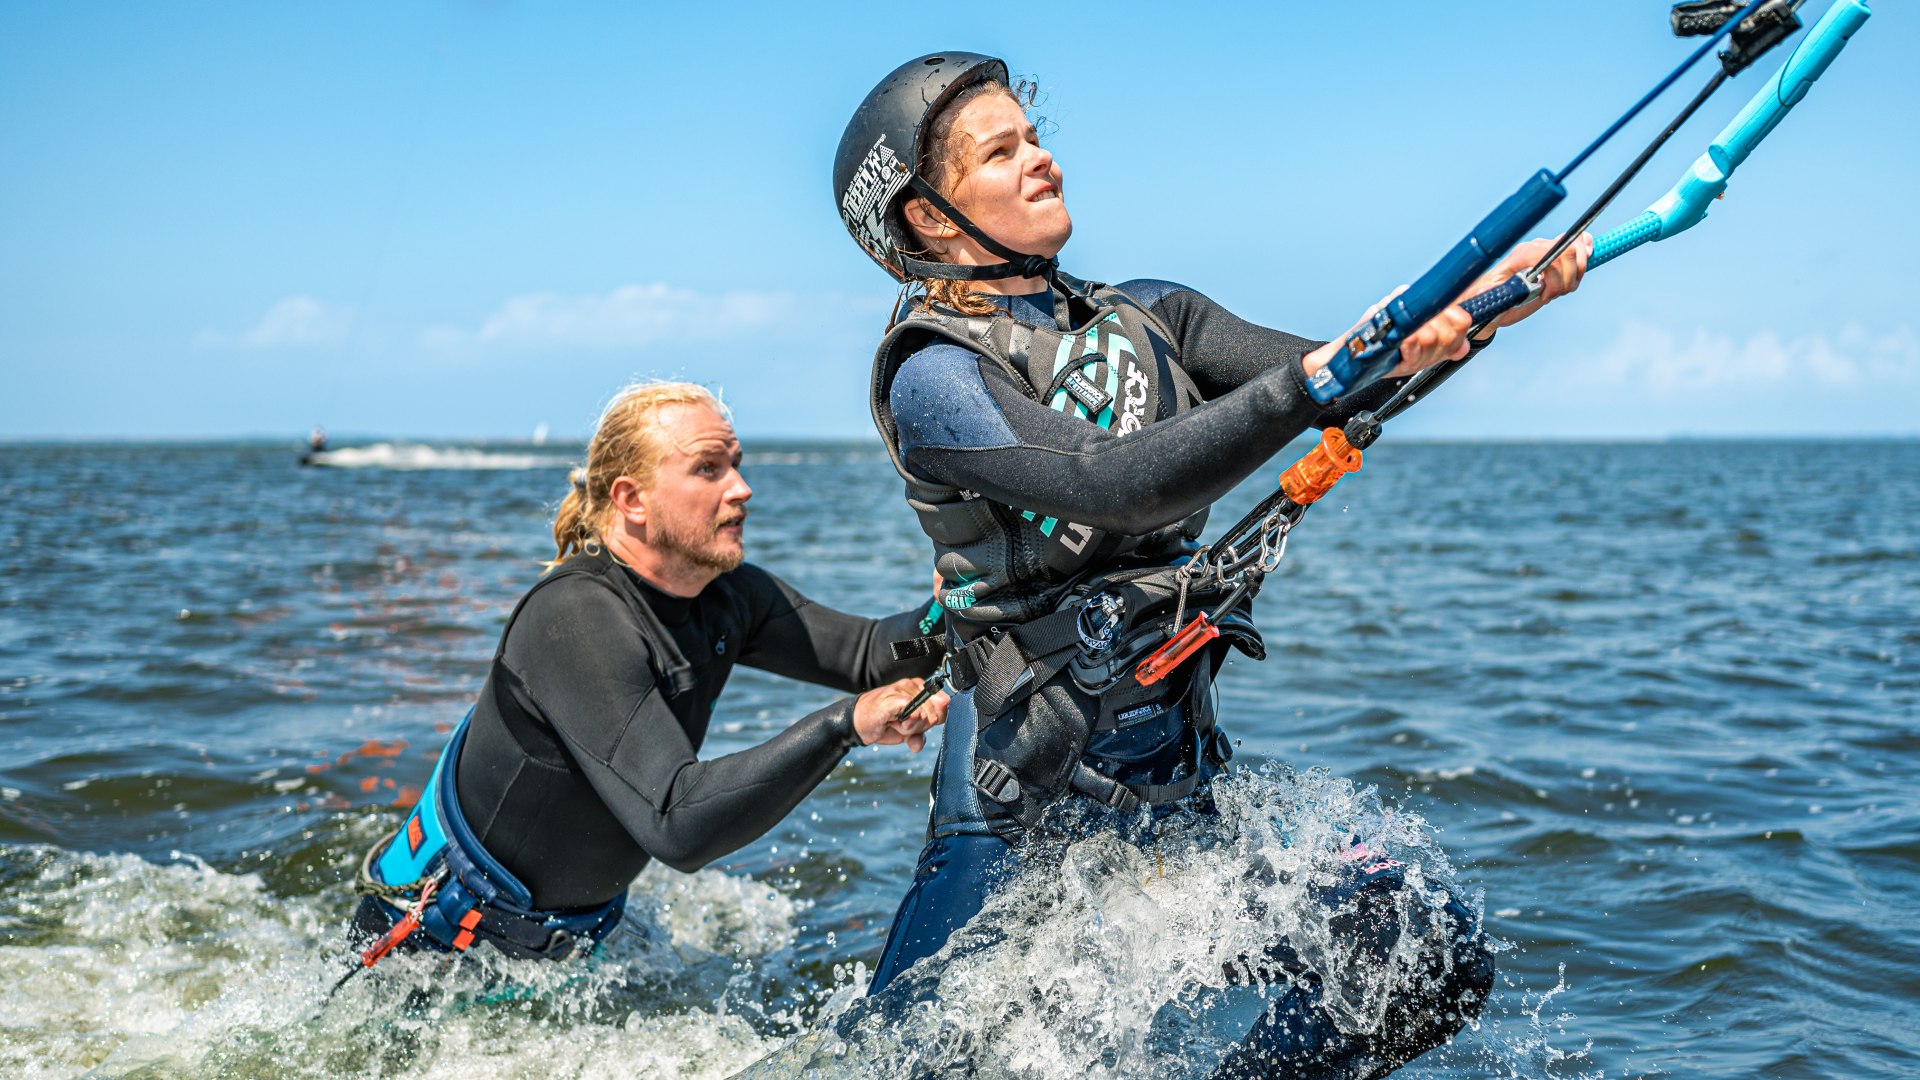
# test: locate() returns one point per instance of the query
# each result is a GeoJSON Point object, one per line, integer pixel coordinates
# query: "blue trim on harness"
{"type": "Point", "coordinates": [476, 880]}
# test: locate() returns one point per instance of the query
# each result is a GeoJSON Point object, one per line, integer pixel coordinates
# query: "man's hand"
{"type": "Point", "coordinates": [877, 720]}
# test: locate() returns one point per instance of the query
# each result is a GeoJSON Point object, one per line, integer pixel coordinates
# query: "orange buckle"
{"type": "Point", "coordinates": [465, 937]}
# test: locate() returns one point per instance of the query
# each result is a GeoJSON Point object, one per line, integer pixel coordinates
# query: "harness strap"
{"type": "Point", "coordinates": [476, 896]}
{"type": "Point", "coordinates": [1004, 669]}
{"type": "Point", "coordinates": [913, 648]}
{"type": "Point", "coordinates": [1209, 745]}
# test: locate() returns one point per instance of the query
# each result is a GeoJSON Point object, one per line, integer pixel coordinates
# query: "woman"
{"type": "Point", "coordinates": [579, 764]}
{"type": "Point", "coordinates": [1061, 443]}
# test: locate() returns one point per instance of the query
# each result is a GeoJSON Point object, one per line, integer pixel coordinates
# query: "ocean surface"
{"type": "Point", "coordinates": [1652, 705]}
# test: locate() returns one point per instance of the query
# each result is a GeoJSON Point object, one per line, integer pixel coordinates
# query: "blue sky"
{"type": "Point", "coordinates": [469, 219]}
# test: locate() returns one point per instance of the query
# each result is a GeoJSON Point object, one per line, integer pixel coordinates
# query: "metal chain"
{"type": "Point", "coordinates": [1273, 541]}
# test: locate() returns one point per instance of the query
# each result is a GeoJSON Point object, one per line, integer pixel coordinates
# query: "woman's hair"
{"type": "Point", "coordinates": [626, 442]}
{"type": "Point", "coordinates": [944, 162]}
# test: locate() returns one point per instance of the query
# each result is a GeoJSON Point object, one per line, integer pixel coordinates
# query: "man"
{"type": "Point", "coordinates": [577, 766]}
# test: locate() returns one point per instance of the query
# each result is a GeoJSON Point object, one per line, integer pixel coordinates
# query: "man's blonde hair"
{"type": "Point", "coordinates": [626, 442]}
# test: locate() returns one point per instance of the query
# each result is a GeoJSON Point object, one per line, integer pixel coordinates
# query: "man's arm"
{"type": "Point", "coordinates": [797, 638]}
{"type": "Point", "coordinates": [580, 659]}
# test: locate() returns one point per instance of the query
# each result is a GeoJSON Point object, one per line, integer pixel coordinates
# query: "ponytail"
{"type": "Point", "coordinates": [573, 526]}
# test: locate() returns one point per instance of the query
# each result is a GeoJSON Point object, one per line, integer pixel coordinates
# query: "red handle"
{"type": "Point", "coordinates": [1178, 648]}
{"type": "Point", "coordinates": [402, 930]}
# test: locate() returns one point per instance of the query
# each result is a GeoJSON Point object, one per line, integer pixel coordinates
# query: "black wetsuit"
{"type": "Point", "coordinates": [579, 768]}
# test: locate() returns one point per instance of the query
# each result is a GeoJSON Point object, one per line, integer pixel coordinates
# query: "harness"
{"type": "Point", "coordinates": [461, 894]}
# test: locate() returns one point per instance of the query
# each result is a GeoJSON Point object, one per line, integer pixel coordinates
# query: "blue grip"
{"type": "Point", "coordinates": [1473, 256]}
{"type": "Point", "coordinates": [1372, 350]}
{"type": "Point", "coordinates": [1706, 179]}
{"type": "Point", "coordinates": [1611, 245]}
{"type": "Point", "coordinates": [1485, 305]}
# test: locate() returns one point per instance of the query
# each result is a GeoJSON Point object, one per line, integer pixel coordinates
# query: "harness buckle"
{"type": "Point", "coordinates": [559, 945]}
{"type": "Point", "coordinates": [995, 781]}
{"type": "Point", "coordinates": [1121, 798]}
{"type": "Point", "coordinates": [1099, 621]}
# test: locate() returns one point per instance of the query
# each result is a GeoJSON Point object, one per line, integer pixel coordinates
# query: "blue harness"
{"type": "Point", "coordinates": [477, 896]}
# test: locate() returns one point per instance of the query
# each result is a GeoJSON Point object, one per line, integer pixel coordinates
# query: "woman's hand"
{"type": "Point", "coordinates": [877, 720]}
{"type": "Point", "coordinates": [1561, 278]}
{"type": "Point", "coordinates": [1444, 337]}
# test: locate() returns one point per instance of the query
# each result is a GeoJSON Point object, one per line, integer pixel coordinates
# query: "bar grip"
{"type": "Point", "coordinates": [1371, 351]}
{"type": "Point", "coordinates": [1617, 242]}
{"type": "Point", "coordinates": [1476, 254]}
{"type": "Point", "coordinates": [1508, 294]}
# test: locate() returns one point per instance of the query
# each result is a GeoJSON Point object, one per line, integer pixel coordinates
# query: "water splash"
{"type": "Point", "coordinates": [1150, 951]}
{"type": "Point", "coordinates": [121, 967]}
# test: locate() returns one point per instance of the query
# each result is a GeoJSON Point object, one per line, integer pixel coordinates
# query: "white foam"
{"type": "Point", "coordinates": [124, 967]}
{"type": "Point", "coordinates": [1106, 958]}
{"type": "Point", "coordinates": [1111, 957]}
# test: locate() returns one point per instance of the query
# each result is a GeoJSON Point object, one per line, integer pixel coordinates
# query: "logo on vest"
{"type": "Point", "coordinates": [960, 597]}
{"type": "Point", "coordinates": [1133, 408]}
{"type": "Point", "coordinates": [1074, 537]}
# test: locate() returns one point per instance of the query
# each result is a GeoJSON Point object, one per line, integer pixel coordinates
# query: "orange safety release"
{"type": "Point", "coordinates": [1178, 648]}
{"type": "Point", "coordinates": [402, 930]}
{"type": "Point", "coordinates": [1315, 474]}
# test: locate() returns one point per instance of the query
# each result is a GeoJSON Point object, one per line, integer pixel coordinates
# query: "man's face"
{"type": "Point", "coordinates": [697, 509]}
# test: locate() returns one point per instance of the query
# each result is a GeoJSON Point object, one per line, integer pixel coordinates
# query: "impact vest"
{"type": "Point", "coordinates": [1117, 369]}
{"type": "Point", "coordinates": [1051, 616]}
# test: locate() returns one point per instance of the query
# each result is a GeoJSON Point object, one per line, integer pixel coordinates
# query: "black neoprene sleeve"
{"type": "Point", "coordinates": [581, 665]}
{"type": "Point", "coordinates": [1073, 470]}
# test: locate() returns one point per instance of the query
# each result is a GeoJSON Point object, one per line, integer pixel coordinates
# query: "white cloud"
{"type": "Point", "coordinates": [1661, 364]}
{"type": "Point", "coordinates": [292, 322]}
{"type": "Point", "coordinates": [640, 315]}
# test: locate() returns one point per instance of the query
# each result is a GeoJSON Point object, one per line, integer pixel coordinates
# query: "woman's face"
{"type": "Point", "coordinates": [1009, 186]}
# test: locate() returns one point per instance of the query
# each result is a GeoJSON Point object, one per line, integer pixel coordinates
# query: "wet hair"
{"type": "Point", "coordinates": [626, 442]}
{"type": "Point", "coordinates": [944, 162]}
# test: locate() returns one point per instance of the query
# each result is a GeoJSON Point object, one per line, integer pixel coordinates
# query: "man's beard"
{"type": "Point", "coordinates": [697, 545]}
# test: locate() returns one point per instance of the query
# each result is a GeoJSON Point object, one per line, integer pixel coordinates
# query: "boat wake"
{"type": "Point", "coordinates": [386, 455]}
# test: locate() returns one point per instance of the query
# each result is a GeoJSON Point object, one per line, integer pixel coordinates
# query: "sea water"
{"type": "Point", "coordinates": [1650, 706]}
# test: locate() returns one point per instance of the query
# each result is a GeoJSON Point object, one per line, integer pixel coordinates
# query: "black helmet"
{"type": "Point", "coordinates": [878, 162]}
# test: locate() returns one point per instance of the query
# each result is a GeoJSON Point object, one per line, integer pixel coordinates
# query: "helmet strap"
{"type": "Point", "coordinates": [1016, 264]}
